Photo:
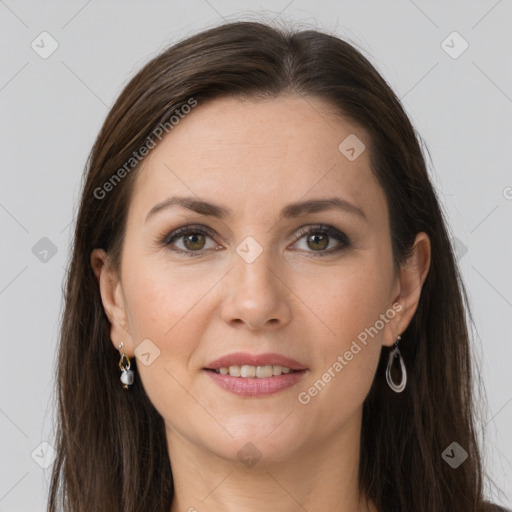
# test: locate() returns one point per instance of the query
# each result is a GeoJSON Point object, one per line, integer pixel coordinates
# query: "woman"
{"type": "Point", "coordinates": [262, 261]}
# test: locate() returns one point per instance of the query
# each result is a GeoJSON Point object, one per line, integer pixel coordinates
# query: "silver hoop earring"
{"type": "Point", "coordinates": [127, 375]}
{"type": "Point", "coordinates": [397, 388]}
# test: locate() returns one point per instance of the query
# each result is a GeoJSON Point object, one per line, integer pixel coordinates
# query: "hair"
{"type": "Point", "coordinates": [111, 444]}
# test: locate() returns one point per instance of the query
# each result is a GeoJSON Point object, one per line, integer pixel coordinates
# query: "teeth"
{"type": "Point", "coordinates": [248, 371]}
{"type": "Point", "coordinates": [263, 372]}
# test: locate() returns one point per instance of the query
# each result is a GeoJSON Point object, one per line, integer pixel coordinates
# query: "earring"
{"type": "Point", "coordinates": [397, 388]}
{"type": "Point", "coordinates": [127, 375]}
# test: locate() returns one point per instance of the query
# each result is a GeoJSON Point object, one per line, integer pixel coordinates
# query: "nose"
{"type": "Point", "coordinates": [255, 294]}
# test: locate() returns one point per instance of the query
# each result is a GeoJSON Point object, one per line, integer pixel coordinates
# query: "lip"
{"type": "Point", "coordinates": [241, 358]}
{"type": "Point", "coordinates": [255, 387]}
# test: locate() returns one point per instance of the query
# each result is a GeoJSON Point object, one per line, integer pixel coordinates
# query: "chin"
{"type": "Point", "coordinates": [253, 443]}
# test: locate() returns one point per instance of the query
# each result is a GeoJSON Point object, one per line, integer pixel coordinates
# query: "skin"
{"type": "Point", "coordinates": [255, 157]}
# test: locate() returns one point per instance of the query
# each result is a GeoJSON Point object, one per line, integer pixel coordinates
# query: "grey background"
{"type": "Point", "coordinates": [52, 109]}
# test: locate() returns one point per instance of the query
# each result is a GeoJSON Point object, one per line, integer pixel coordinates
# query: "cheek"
{"type": "Point", "coordinates": [353, 304]}
{"type": "Point", "coordinates": [166, 304]}
{"type": "Point", "coordinates": [164, 308]}
{"type": "Point", "coordinates": [157, 306]}
{"type": "Point", "coordinates": [159, 296]}
{"type": "Point", "coordinates": [353, 298]}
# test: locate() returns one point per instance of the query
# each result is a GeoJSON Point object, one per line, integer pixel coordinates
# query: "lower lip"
{"type": "Point", "coordinates": [254, 386]}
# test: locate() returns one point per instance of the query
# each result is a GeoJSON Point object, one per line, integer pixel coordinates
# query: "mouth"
{"type": "Point", "coordinates": [255, 375]}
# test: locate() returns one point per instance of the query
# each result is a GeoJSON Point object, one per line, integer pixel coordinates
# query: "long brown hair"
{"type": "Point", "coordinates": [112, 452]}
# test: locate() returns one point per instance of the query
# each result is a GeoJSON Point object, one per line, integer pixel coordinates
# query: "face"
{"type": "Point", "coordinates": [317, 286]}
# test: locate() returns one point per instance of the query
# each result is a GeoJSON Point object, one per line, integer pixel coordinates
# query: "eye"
{"type": "Point", "coordinates": [318, 237]}
{"type": "Point", "coordinates": [193, 239]}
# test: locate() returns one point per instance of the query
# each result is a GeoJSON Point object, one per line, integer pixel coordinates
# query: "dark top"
{"type": "Point", "coordinates": [496, 508]}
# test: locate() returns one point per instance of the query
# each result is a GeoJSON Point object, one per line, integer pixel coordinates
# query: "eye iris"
{"type": "Point", "coordinates": [315, 239]}
{"type": "Point", "coordinates": [193, 238]}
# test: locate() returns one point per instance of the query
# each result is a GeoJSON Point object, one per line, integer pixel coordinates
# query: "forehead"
{"type": "Point", "coordinates": [256, 153]}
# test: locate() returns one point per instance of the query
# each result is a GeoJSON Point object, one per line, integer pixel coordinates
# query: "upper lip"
{"type": "Point", "coordinates": [244, 358]}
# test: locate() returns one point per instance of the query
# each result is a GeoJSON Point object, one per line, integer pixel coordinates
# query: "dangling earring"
{"type": "Point", "coordinates": [127, 375]}
{"type": "Point", "coordinates": [397, 388]}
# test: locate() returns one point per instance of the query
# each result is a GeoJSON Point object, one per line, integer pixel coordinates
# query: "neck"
{"type": "Point", "coordinates": [322, 475]}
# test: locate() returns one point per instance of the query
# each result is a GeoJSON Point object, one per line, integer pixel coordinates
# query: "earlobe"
{"type": "Point", "coordinates": [113, 301]}
{"type": "Point", "coordinates": [411, 279]}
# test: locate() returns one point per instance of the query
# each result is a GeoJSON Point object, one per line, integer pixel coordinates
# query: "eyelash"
{"type": "Point", "coordinates": [310, 230]}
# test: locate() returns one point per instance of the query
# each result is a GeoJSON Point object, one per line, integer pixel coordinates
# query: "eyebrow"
{"type": "Point", "coordinates": [289, 211]}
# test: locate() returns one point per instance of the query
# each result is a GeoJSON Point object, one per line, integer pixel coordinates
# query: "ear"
{"type": "Point", "coordinates": [407, 290]}
{"type": "Point", "coordinates": [112, 297]}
